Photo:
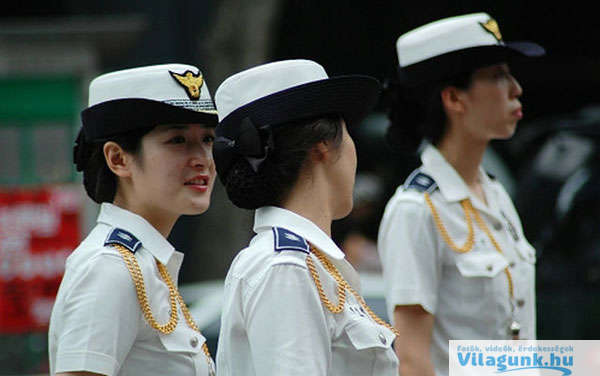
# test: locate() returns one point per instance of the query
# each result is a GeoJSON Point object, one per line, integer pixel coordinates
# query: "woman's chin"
{"type": "Point", "coordinates": [197, 208]}
{"type": "Point", "coordinates": [343, 211]}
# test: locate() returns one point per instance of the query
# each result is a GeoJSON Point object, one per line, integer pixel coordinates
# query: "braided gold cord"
{"type": "Point", "coordinates": [342, 286]}
{"type": "Point", "coordinates": [341, 291]}
{"type": "Point", "coordinates": [444, 233]}
{"type": "Point", "coordinates": [470, 213]}
{"type": "Point", "coordinates": [140, 288]}
{"type": "Point", "coordinates": [174, 297]}
{"type": "Point", "coordinates": [487, 231]}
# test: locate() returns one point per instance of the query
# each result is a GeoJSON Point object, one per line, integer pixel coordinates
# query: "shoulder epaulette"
{"type": "Point", "coordinates": [286, 240]}
{"type": "Point", "coordinates": [124, 238]}
{"type": "Point", "coordinates": [420, 182]}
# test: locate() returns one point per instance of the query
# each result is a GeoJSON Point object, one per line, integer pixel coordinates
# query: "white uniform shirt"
{"type": "Point", "coordinates": [273, 321]}
{"type": "Point", "coordinates": [97, 324]}
{"type": "Point", "coordinates": [467, 293]}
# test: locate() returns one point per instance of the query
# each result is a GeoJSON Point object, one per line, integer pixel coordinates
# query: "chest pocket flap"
{"type": "Point", "coordinates": [183, 339]}
{"type": "Point", "coordinates": [479, 263]}
{"type": "Point", "coordinates": [364, 335]}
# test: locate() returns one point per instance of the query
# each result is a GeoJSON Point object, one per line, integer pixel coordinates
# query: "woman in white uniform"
{"type": "Point", "coordinates": [455, 262]}
{"type": "Point", "coordinates": [145, 150]}
{"type": "Point", "coordinates": [292, 304]}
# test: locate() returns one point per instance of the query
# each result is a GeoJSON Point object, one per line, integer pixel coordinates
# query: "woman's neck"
{"type": "Point", "coordinates": [162, 222]}
{"type": "Point", "coordinates": [465, 154]}
{"type": "Point", "coordinates": [307, 199]}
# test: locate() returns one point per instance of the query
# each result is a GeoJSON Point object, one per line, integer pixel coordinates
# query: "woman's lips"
{"type": "Point", "coordinates": [198, 183]}
{"type": "Point", "coordinates": [518, 113]}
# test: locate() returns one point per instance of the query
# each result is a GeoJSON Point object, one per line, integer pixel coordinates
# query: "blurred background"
{"type": "Point", "coordinates": [49, 52]}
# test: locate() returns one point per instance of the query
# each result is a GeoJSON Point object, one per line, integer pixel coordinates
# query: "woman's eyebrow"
{"type": "Point", "coordinates": [165, 128]}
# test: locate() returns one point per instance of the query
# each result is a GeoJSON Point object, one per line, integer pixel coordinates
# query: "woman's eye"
{"type": "Point", "coordinates": [501, 74]}
{"type": "Point", "coordinates": [209, 139]}
{"type": "Point", "coordinates": [177, 140]}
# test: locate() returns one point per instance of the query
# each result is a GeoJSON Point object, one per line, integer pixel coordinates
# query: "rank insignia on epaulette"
{"type": "Point", "coordinates": [124, 238]}
{"type": "Point", "coordinates": [420, 181]}
{"type": "Point", "coordinates": [286, 240]}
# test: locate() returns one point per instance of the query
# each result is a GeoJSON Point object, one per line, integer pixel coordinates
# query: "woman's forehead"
{"type": "Point", "coordinates": [161, 128]}
{"type": "Point", "coordinates": [491, 68]}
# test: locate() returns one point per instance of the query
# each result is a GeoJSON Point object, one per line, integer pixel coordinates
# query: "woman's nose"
{"type": "Point", "coordinates": [516, 89]}
{"type": "Point", "coordinates": [201, 156]}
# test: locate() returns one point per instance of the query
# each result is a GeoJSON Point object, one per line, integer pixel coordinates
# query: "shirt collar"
{"type": "Point", "coordinates": [151, 239]}
{"type": "Point", "coordinates": [451, 184]}
{"type": "Point", "coordinates": [270, 216]}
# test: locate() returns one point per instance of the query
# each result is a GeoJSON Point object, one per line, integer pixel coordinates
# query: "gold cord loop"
{"type": "Point", "coordinates": [342, 286]}
{"type": "Point", "coordinates": [468, 209]}
{"type": "Point", "coordinates": [487, 231]}
{"type": "Point", "coordinates": [470, 213]}
{"type": "Point", "coordinates": [174, 297]}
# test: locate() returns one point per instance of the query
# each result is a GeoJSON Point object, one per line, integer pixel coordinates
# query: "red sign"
{"type": "Point", "coordinates": [38, 230]}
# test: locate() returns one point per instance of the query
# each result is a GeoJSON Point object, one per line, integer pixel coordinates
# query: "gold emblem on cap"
{"type": "Point", "coordinates": [190, 81]}
{"type": "Point", "coordinates": [491, 26]}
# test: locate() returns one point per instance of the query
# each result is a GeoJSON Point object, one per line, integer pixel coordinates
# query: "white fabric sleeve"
{"type": "Point", "coordinates": [101, 316]}
{"type": "Point", "coordinates": [286, 324]}
{"type": "Point", "coordinates": [410, 260]}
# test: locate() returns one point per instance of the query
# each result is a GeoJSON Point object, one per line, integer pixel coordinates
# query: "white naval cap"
{"type": "Point", "coordinates": [179, 85]}
{"type": "Point", "coordinates": [428, 52]}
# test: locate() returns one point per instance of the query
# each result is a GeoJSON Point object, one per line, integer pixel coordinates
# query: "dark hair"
{"type": "Point", "coordinates": [99, 181]}
{"type": "Point", "coordinates": [278, 173]}
{"type": "Point", "coordinates": [417, 113]}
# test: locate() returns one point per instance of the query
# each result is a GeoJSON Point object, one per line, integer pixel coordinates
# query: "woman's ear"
{"type": "Point", "coordinates": [320, 152]}
{"type": "Point", "coordinates": [452, 100]}
{"type": "Point", "coordinates": [117, 159]}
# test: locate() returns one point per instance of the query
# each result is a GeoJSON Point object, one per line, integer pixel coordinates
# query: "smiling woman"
{"type": "Point", "coordinates": [145, 150]}
{"type": "Point", "coordinates": [176, 161]}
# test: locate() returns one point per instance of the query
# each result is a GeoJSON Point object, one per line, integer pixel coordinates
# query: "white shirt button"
{"type": "Point", "coordinates": [194, 341]}
{"type": "Point", "coordinates": [382, 338]}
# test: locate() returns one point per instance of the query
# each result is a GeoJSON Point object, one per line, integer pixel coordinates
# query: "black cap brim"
{"type": "Point", "coordinates": [123, 115]}
{"type": "Point", "coordinates": [528, 49]}
{"type": "Point", "coordinates": [448, 65]}
{"type": "Point", "coordinates": [351, 97]}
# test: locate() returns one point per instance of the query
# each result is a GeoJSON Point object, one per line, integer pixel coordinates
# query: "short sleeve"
{"type": "Point", "coordinates": [100, 316]}
{"type": "Point", "coordinates": [409, 256]}
{"type": "Point", "coordinates": [287, 328]}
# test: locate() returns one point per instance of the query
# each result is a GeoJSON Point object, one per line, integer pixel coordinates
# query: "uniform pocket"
{"type": "Point", "coordinates": [364, 334]}
{"type": "Point", "coordinates": [183, 340]}
{"type": "Point", "coordinates": [370, 350]}
{"type": "Point", "coordinates": [479, 263]}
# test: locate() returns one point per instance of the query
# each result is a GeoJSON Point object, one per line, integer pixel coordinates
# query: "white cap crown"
{"type": "Point", "coordinates": [254, 83]}
{"type": "Point", "coordinates": [447, 35]}
{"type": "Point", "coordinates": [179, 85]}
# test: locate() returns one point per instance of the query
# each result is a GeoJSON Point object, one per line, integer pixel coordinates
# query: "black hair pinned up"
{"type": "Point", "coordinates": [271, 183]}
